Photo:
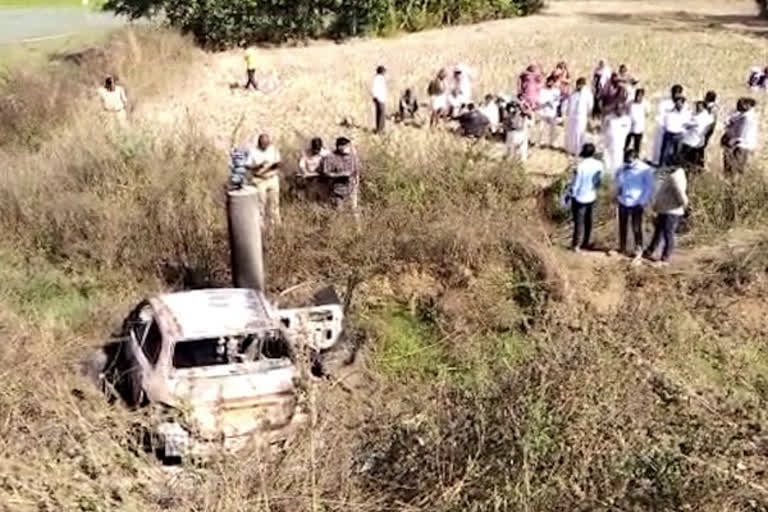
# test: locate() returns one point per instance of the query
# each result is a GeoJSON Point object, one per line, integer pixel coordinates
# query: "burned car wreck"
{"type": "Point", "coordinates": [221, 366]}
{"type": "Point", "coordinates": [222, 363]}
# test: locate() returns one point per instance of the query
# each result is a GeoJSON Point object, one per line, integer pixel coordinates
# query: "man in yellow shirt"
{"type": "Point", "coordinates": [250, 68]}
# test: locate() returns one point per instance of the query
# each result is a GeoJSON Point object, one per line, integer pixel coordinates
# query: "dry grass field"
{"type": "Point", "coordinates": [499, 371]}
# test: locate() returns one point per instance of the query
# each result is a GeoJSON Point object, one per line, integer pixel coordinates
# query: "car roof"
{"type": "Point", "coordinates": [212, 313]}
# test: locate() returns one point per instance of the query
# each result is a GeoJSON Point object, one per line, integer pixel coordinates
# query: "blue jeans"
{"type": "Point", "coordinates": [665, 227]}
{"type": "Point", "coordinates": [582, 223]}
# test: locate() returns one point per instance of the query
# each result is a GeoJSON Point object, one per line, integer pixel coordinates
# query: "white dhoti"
{"type": "Point", "coordinates": [658, 139]}
{"type": "Point", "coordinates": [517, 144]}
{"type": "Point", "coordinates": [439, 102]}
{"type": "Point", "coordinates": [549, 125]}
{"type": "Point", "coordinates": [579, 108]}
{"type": "Point", "coordinates": [615, 133]}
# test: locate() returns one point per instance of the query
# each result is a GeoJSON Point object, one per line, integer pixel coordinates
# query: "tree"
{"type": "Point", "coordinates": [226, 23]}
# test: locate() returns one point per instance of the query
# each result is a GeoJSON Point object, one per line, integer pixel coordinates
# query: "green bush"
{"type": "Point", "coordinates": [226, 23]}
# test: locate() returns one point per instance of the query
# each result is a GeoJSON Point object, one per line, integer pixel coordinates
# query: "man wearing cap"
{"type": "Point", "coordinates": [342, 169]}
{"type": "Point", "coordinates": [263, 163]}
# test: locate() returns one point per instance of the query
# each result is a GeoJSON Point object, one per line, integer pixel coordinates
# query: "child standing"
{"type": "Point", "coordinates": [637, 110]}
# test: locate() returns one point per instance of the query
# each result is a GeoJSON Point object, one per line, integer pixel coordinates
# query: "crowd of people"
{"type": "Point", "coordinates": [612, 104]}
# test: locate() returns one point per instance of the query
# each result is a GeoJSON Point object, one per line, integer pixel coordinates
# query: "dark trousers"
{"type": "Point", "coordinates": [734, 160]}
{"type": "Point", "coordinates": [381, 112]}
{"type": "Point", "coordinates": [664, 227]}
{"type": "Point", "coordinates": [251, 79]}
{"type": "Point", "coordinates": [582, 223]}
{"type": "Point", "coordinates": [635, 215]}
{"type": "Point", "coordinates": [670, 146]}
{"type": "Point", "coordinates": [691, 156]}
{"type": "Point", "coordinates": [634, 141]}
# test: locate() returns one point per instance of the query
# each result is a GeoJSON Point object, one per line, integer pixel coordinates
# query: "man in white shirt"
{"type": "Point", "coordinates": [263, 162]}
{"type": "Point", "coordinates": [490, 109]}
{"type": "Point", "coordinates": [582, 195]}
{"type": "Point", "coordinates": [740, 138]}
{"type": "Point", "coordinates": [114, 100]}
{"type": "Point", "coordinates": [674, 125]}
{"type": "Point", "coordinates": [695, 133]}
{"type": "Point", "coordinates": [665, 105]}
{"type": "Point", "coordinates": [462, 84]}
{"type": "Point", "coordinates": [549, 100]}
{"type": "Point", "coordinates": [379, 94]}
{"type": "Point", "coordinates": [637, 111]}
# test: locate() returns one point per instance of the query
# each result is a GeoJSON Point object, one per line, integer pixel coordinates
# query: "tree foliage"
{"type": "Point", "coordinates": [226, 23]}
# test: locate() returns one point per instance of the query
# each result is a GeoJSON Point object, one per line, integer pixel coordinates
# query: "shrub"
{"type": "Point", "coordinates": [225, 23]}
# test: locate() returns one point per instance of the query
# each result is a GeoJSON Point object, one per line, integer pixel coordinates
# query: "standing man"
{"type": "Point", "coordinates": [740, 138]}
{"type": "Point", "coordinates": [670, 205]}
{"type": "Point", "coordinates": [342, 169]}
{"type": "Point", "coordinates": [634, 190]}
{"type": "Point", "coordinates": [114, 100]}
{"type": "Point", "coordinates": [264, 162]}
{"type": "Point", "coordinates": [600, 78]}
{"type": "Point", "coordinates": [250, 69]}
{"type": "Point", "coordinates": [674, 125]}
{"type": "Point", "coordinates": [549, 102]}
{"type": "Point", "coordinates": [637, 111]}
{"type": "Point", "coordinates": [516, 122]}
{"type": "Point", "coordinates": [579, 108]}
{"type": "Point", "coordinates": [582, 194]}
{"type": "Point", "coordinates": [613, 96]}
{"type": "Point", "coordinates": [695, 133]}
{"type": "Point", "coordinates": [665, 105]}
{"type": "Point", "coordinates": [438, 98]}
{"type": "Point", "coordinates": [710, 103]}
{"type": "Point", "coordinates": [379, 94]}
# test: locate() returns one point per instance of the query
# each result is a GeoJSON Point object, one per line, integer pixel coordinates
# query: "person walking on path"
{"type": "Point", "coordinates": [379, 94]}
{"type": "Point", "coordinates": [582, 195]}
{"type": "Point", "coordinates": [634, 191]}
{"type": "Point", "coordinates": [250, 69]}
{"type": "Point", "coordinates": [670, 204]}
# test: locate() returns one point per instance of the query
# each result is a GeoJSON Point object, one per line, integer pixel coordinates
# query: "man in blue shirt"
{"type": "Point", "coordinates": [634, 190]}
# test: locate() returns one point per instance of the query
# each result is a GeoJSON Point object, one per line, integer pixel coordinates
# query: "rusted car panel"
{"type": "Point", "coordinates": [226, 359]}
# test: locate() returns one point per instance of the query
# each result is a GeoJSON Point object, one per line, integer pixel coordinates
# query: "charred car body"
{"type": "Point", "coordinates": [222, 363]}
